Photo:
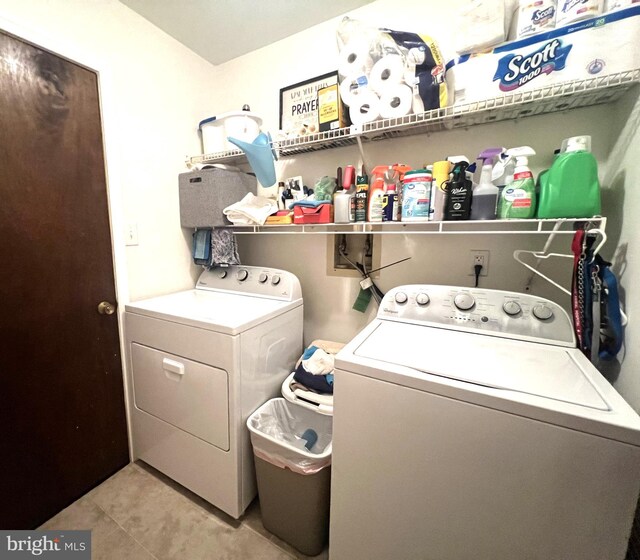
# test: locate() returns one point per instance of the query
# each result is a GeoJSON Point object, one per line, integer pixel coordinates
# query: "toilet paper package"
{"type": "Point", "coordinates": [536, 16]}
{"type": "Point", "coordinates": [386, 72]}
{"type": "Point", "coordinates": [593, 47]}
{"type": "Point", "coordinates": [570, 11]}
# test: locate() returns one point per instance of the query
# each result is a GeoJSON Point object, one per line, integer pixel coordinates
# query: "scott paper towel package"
{"type": "Point", "coordinates": [597, 46]}
{"type": "Point", "coordinates": [388, 74]}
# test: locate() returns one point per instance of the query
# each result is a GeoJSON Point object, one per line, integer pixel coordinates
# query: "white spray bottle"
{"type": "Point", "coordinates": [484, 203]}
{"type": "Point", "coordinates": [518, 199]}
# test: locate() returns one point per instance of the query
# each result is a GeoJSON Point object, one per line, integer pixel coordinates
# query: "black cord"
{"type": "Point", "coordinates": [477, 268]}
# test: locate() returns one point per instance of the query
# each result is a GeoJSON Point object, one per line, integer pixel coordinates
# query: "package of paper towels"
{"type": "Point", "coordinates": [593, 47]}
{"type": "Point", "coordinates": [386, 73]}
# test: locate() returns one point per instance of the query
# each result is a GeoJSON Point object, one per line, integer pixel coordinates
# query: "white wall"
{"type": "Point", "coordinates": [257, 78]}
{"type": "Point", "coordinates": [621, 203]}
{"type": "Point", "coordinates": [154, 91]}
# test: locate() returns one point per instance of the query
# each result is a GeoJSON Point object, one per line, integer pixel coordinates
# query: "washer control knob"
{"type": "Point", "coordinates": [242, 275]}
{"type": "Point", "coordinates": [422, 299]}
{"type": "Point", "coordinates": [263, 277]}
{"type": "Point", "coordinates": [275, 280]}
{"type": "Point", "coordinates": [542, 312]}
{"type": "Point", "coordinates": [464, 301]}
{"type": "Point", "coordinates": [511, 308]}
{"type": "Point", "coordinates": [401, 297]}
{"type": "Point", "coordinates": [222, 274]}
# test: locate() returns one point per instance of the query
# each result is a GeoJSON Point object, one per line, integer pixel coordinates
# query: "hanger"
{"type": "Point", "coordinates": [543, 255]}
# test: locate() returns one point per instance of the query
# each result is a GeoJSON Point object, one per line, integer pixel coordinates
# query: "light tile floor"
{"type": "Point", "coordinates": [140, 514]}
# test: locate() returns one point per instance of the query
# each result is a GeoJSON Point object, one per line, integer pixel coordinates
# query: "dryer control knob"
{"type": "Point", "coordinates": [401, 297]}
{"type": "Point", "coordinates": [275, 280]}
{"type": "Point", "coordinates": [422, 299]}
{"type": "Point", "coordinates": [511, 308]}
{"type": "Point", "coordinates": [464, 301]}
{"type": "Point", "coordinates": [242, 275]}
{"type": "Point", "coordinates": [263, 277]}
{"type": "Point", "coordinates": [542, 312]}
{"type": "Point", "coordinates": [222, 274]}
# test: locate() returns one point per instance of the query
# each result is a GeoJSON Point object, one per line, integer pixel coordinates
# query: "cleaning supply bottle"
{"type": "Point", "coordinates": [441, 170]}
{"type": "Point", "coordinates": [570, 188]}
{"type": "Point", "coordinates": [484, 200]}
{"type": "Point", "coordinates": [342, 199]}
{"type": "Point", "coordinates": [416, 193]}
{"type": "Point", "coordinates": [390, 204]}
{"type": "Point", "coordinates": [502, 174]}
{"type": "Point", "coordinates": [376, 194]}
{"type": "Point", "coordinates": [458, 192]}
{"type": "Point", "coordinates": [518, 199]}
{"type": "Point", "coordinates": [362, 190]}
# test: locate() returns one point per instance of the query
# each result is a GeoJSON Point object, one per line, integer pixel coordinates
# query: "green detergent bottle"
{"type": "Point", "coordinates": [570, 188]}
{"type": "Point", "coordinates": [518, 198]}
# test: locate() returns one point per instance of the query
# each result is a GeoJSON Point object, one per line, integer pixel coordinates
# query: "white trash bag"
{"type": "Point", "coordinates": [288, 435]}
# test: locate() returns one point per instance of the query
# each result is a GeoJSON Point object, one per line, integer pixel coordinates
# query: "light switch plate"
{"type": "Point", "coordinates": [131, 234]}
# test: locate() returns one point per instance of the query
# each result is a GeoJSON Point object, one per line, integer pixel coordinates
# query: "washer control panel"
{"type": "Point", "coordinates": [492, 312]}
{"type": "Point", "coordinates": [252, 280]}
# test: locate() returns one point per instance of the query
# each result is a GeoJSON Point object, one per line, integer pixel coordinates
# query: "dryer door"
{"type": "Point", "coordinates": [188, 395]}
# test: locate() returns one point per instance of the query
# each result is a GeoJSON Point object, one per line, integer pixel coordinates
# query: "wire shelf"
{"type": "Point", "coordinates": [562, 96]}
{"type": "Point", "coordinates": [468, 227]}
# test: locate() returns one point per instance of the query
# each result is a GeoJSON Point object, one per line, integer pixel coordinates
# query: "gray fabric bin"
{"type": "Point", "coordinates": [205, 194]}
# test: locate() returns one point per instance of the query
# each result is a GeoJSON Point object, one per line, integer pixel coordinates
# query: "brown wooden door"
{"type": "Point", "coordinates": [62, 413]}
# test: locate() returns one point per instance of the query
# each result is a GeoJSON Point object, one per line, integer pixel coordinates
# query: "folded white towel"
{"type": "Point", "coordinates": [251, 209]}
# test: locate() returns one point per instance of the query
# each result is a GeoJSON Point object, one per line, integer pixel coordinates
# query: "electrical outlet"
{"type": "Point", "coordinates": [479, 257]}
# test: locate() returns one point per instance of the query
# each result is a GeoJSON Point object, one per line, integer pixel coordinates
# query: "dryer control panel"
{"type": "Point", "coordinates": [252, 280]}
{"type": "Point", "coordinates": [491, 312]}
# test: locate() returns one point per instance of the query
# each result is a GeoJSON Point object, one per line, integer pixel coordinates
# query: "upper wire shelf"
{"type": "Point", "coordinates": [561, 96]}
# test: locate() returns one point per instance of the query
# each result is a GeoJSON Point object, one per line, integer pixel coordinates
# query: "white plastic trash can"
{"type": "Point", "coordinates": [292, 453]}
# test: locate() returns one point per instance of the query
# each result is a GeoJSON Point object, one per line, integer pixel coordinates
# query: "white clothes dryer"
{"type": "Point", "coordinates": [468, 426]}
{"type": "Point", "coordinates": [200, 362]}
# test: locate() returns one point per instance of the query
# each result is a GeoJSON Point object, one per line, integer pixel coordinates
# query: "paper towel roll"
{"type": "Point", "coordinates": [396, 101]}
{"type": "Point", "coordinates": [388, 70]}
{"type": "Point", "coordinates": [366, 107]}
{"type": "Point", "coordinates": [351, 86]}
{"type": "Point", "coordinates": [354, 58]}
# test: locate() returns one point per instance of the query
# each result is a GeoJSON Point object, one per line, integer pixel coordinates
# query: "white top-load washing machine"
{"type": "Point", "coordinates": [200, 362]}
{"type": "Point", "coordinates": [467, 426]}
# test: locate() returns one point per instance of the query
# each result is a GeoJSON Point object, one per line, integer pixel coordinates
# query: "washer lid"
{"type": "Point", "coordinates": [535, 369]}
{"type": "Point", "coordinates": [217, 311]}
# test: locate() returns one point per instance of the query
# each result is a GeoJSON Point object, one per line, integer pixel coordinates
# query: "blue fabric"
{"type": "Point", "coordinates": [611, 334]}
{"type": "Point", "coordinates": [201, 249]}
{"type": "Point", "coordinates": [309, 352]}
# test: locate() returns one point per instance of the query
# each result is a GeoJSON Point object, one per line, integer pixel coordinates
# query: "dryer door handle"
{"type": "Point", "coordinates": [171, 366]}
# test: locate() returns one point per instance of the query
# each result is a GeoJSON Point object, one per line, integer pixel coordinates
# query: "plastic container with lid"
{"type": "Point", "coordinates": [243, 125]}
{"type": "Point", "coordinates": [570, 188]}
{"type": "Point", "coordinates": [416, 195]}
